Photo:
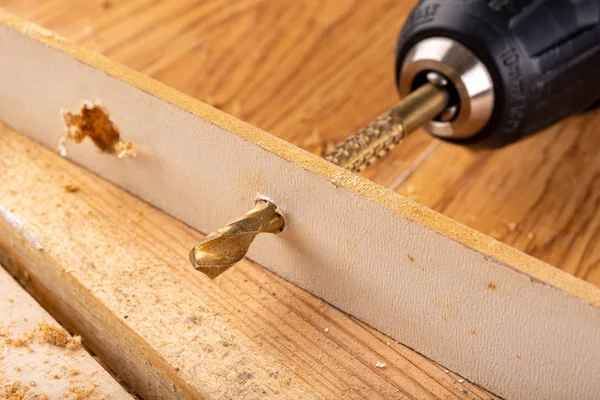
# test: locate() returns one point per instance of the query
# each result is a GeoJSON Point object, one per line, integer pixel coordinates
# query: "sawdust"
{"type": "Point", "coordinates": [54, 335]}
{"type": "Point", "coordinates": [73, 343]}
{"type": "Point", "coordinates": [14, 391]}
{"type": "Point", "coordinates": [23, 341]}
{"type": "Point", "coordinates": [20, 342]}
{"type": "Point", "coordinates": [93, 122]}
{"type": "Point", "coordinates": [45, 333]}
{"type": "Point", "coordinates": [83, 393]}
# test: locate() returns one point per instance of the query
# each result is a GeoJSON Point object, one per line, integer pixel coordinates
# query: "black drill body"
{"type": "Point", "coordinates": [543, 56]}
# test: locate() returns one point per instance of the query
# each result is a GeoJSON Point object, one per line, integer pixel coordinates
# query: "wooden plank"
{"type": "Point", "coordinates": [115, 269]}
{"type": "Point", "coordinates": [327, 66]}
{"type": "Point", "coordinates": [39, 359]}
{"type": "Point", "coordinates": [356, 270]}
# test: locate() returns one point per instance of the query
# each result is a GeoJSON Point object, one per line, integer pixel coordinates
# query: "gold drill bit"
{"type": "Point", "coordinates": [380, 136]}
{"type": "Point", "coordinates": [220, 250]}
{"type": "Point", "coordinates": [223, 248]}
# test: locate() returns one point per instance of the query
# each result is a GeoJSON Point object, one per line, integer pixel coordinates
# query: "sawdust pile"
{"type": "Point", "coordinates": [15, 391]}
{"type": "Point", "coordinates": [93, 122]}
{"type": "Point", "coordinates": [52, 334]}
{"type": "Point", "coordinates": [83, 393]}
{"type": "Point", "coordinates": [45, 333]}
{"type": "Point", "coordinates": [57, 336]}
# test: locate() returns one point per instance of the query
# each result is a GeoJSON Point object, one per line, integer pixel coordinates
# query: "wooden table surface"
{"type": "Point", "coordinates": [313, 72]}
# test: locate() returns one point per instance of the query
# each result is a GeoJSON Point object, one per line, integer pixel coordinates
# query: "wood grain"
{"type": "Point", "coordinates": [448, 268]}
{"type": "Point", "coordinates": [321, 70]}
{"type": "Point", "coordinates": [32, 365]}
{"type": "Point", "coordinates": [251, 334]}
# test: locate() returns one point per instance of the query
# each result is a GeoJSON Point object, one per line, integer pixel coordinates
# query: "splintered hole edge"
{"type": "Point", "coordinates": [93, 122]}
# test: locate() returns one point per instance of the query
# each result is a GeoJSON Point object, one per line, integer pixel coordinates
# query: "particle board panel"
{"type": "Point", "coordinates": [359, 246]}
{"type": "Point", "coordinates": [313, 71]}
{"type": "Point", "coordinates": [39, 359]}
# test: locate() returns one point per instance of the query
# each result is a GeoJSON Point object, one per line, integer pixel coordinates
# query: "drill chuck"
{"type": "Point", "coordinates": [509, 67]}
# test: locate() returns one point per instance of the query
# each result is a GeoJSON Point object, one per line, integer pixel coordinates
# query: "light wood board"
{"type": "Point", "coordinates": [115, 270]}
{"type": "Point", "coordinates": [32, 365]}
{"type": "Point", "coordinates": [362, 248]}
{"type": "Point", "coordinates": [313, 71]}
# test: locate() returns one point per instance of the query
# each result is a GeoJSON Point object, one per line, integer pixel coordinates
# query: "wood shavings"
{"type": "Point", "coordinates": [83, 393]}
{"type": "Point", "coordinates": [326, 330]}
{"type": "Point", "coordinates": [16, 342]}
{"type": "Point", "coordinates": [74, 343]}
{"type": "Point", "coordinates": [54, 335]}
{"type": "Point", "coordinates": [14, 391]}
{"type": "Point", "coordinates": [380, 364]}
{"type": "Point", "coordinates": [93, 122]}
{"type": "Point", "coordinates": [20, 342]}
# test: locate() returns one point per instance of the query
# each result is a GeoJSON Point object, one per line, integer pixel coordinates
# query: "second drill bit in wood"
{"type": "Point", "coordinates": [229, 244]}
